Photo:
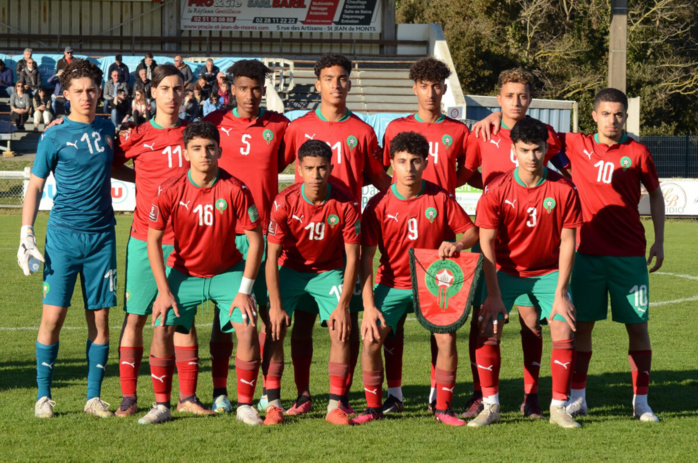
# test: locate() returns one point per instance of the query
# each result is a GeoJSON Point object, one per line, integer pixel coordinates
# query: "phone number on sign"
{"type": "Point", "coordinates": [275, 20]}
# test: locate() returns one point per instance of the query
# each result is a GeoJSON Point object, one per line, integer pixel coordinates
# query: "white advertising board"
{"type": "Point", "coordinates": [123, 195]}
{"type": "Point", "coordinates": [680, 197]}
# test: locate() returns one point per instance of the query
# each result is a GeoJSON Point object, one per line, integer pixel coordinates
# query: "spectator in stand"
{"type": "Point", "coordinates": [120, 108]}
{"type": "Point", "coordinates": [21, 64]}
{"type": "Point", "coordinates": [200, 98]}
{"type": "Point", "coordinates": [42, 108]}
{"type": "Point", "coordinates": [189, 111]}
{"type": "Point", "coordinates": [66, 60]}
{"type": "Point", "coordinates": [140, 108]}
{"type": "Point", "coordinates": [211, 104]}
{"type": "Point", "coordinates": [6, 80]}
{"type": "Point", "coordinates": [20, 106]}
{"type": "Point", "coordinates": [142, 82]}
{"type": "Point", "coordinates": [147, 63]}
{"type": "Point", "coordinates": [30, 77]}
{"type": "Point", "coordinates": [57, 98]}
{"type": "Point", "coordinates": [220, 78]}
{"type": "Point", "coordinates": [205, 88]}
{"type": "Point", "coordinates": [210, 72]}
{"type": "Point", "coordinates": [121, 68]}
{"type": "Point", "coordinates": [224, 95]}
{"type": "Point", "coordinates": [110, 89]}
{"type": "Point", "coordinates": [186, 72]}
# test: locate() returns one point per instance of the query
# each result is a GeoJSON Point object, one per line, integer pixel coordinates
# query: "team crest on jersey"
{"type": "Point", "coordinates": [431, 214]}
{"type": "Point", "coordinates": [549, 204]}
{"type": "Point", "coordinates": [444, 278]}
{"type": "Point", "coordinates": [357, 227]}
{"type": "Point", "coordinates": [352, 142]}
{"type": "Point", "coordinates": [253, 213]}
{"type": "Point", "coordinates": [221, 205]}
{"type": "Point", "coordinates": [625, 162]}
{"type": "Point", "coordinates": [332, 220]}
{"type": "Point", "coordinates": [268, 136]}
{"type": "Point", "coordinates": [447, 140]}
{"type": "Point", "coordinates": [154, 213]}
{"type": "Point", "coordinates": [47, 288]}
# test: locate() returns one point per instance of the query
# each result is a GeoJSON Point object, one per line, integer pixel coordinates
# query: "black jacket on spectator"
{"type": "Point", "coordinates": [148, 69]}
{"type": "Point", "coordinates": [32, 77]}
{"type": "Point", "coordinates": [122, 69]}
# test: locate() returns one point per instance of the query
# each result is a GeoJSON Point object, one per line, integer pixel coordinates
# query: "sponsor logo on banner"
{"type": "Point", "coordinates": [680, 197]}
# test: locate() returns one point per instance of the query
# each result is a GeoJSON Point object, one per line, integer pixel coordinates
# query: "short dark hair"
{"type": "Point", "coordinates": [410, 142]}
{"type": "Point", "coordinates": [315, 148]}
{"type": "Point", "coordinates": [118, 58]}
{"type": "Point", "coordinates": [149, 55]}
{"type": "Point", "coordinates": [529, 130]}
{"type": "Point", "coordinates": [79, 68]}
{"type": "Point", "coordinates": [162, 71]}
{"type": "Point", "coordinates": [250, 68]}
{"type": "Point", "coordinates": [611, 95]}
{"type": "Point", "coordinates": [429, 69]}
{"type": "Point", "coordinates": [201, 129]}
{"type": "Point", "coordinates": [332, 59]}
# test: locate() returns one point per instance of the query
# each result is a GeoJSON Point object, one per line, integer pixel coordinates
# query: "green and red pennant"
{"type": "Point", "coordinates": [443, 289]}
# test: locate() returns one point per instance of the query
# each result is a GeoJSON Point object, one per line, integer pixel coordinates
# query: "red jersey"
{"type": "Point", "coordinates": [395, 224]}
{"type": "Point", "coordinates": [251, 153]}
{"type": "Point", "coordinates": [608, 180]}
{"type": "Point", "coordinates": [497, 155]}
{"type": "Point", "coordinates": [313, 236]}
{"type": "Point", "coordinates": [447, 144]}
{"type": "Point", "coordinates": [157, 154]}
{"type": "Point", "coordinates": [529, 221]}
{"type": "Point", "coordinates": [204, 220]}
{"type": "Point", "coordinates": [353, 143]}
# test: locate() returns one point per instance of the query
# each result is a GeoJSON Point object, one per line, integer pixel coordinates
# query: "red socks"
{"type": "Point", "coordinates": [640, 365]}
{"type": "Point", "coordinates": [532, 345]}
{"type": "Point", "coordinates": [393, 349]}
{"type": "Point", "coordinates": [187, 359]}
{"type": "Point", "coordinates": [338, 379]}
{"type": "Point", "coordinates": [561, 367]}
{"type": "Point", "coordinates": [161, 372]}
{"type": "Point", "coordinates": [220, 363]}
{"type": "Point", "coordinates": [302, 357]}
{"type": "Point", "coordinates": [445, 384]}
{"type": "Point", "coordinates": [129, 364]}
{"type": "Point", "coordinates": [489, 359]}
{"type": "Point", "coordinates": [581, 367]}
{"type": "Point", "coordinates": [247, 372]}
{"type": "Point", "coordinates": [373, 388]}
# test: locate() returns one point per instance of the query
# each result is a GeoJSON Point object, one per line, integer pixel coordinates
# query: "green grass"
{"type": "Point", "coordinates": [608, 433]}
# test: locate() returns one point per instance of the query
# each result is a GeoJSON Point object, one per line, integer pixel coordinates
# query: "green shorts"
{"type": "Point", "coordinates": [190, 292]}
{"type": "Point", "coordinates": [624, 278]}
{"type": "Point", "coordinates": [356, 304]}
{"type": "Point", "coordinates": [480, 293]}
{"type": "Point", "coordinates": [540, 290]}
{"type": "Point", "coordinates": [393, 303]}
{"type": "Point", "coordinates": [260, 284]}
{"type": "Point", "coordinates": [141, 289]}
{"type": "Point", "coordinates": [323, 288]}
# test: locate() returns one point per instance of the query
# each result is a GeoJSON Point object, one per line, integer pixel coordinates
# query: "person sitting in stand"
{"type": "Point", "coordinates": [20, 106]}
{"type": "Point", "coordinates": [6, 80]}
{"type": "Point", "coordinates": [210, 72]}
{"type": "Point", "coordinates": [42, 108]}
{"type": "Point", "coordinates": [119, 66]}
{"type": "Point", "coordinates": [30, 77]}
{"type": "Point", "coordinates": [140, 109]}
{"type": "Point", "coordinates": [211, 104]}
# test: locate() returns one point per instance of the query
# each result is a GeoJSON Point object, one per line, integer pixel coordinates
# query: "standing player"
{"type": "Point", "coordinates": [608, 168]}
{"type": "Point", "coordinates": [156, 148]}
{"type": "Point", "coordinates": [204, 207]}
{"type": "Point", "coordinates": [496, 156]}
{"type": "Point", "coordinates": [353, 144]}
{"type": "Point", "coordinates": [447, 143]}
{"type": "Point", "coordinates": [80, 235]}
{"type": "Point", "coordinates": [527, 219]}
{"type": "Point", "coordinates": [251, 138]}
{"type": "Point", "coordinates": [312, 225]}
{"type": "Point", "coordinates": [413, 213]}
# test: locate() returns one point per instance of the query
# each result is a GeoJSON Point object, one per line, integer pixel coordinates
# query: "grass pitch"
{"type": "Point", "coordinates": [608, 433]}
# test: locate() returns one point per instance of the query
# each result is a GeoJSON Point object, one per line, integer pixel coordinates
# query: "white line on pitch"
{"type": "Point", "coordinates": [677, 275]}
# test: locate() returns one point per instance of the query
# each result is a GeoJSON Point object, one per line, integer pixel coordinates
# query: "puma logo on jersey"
{"type": "Point", "coordinates": [374, 391]}
{"type": "Point", "coordinates": [159, 378]}
{"type": "Point", "coordinates": [133, 365]}
{"type": "Point", "coordinates": [392, 216]}
{"type": "Point", "coordinates": [249, 383]}
{"type": "Point", "coordinates": [99, 365]}
{"type": "Point", "coordinates": [564, 365]}
{"type": "Point", "coordinates": [486, 368]}
{"type": "Point", "coordinates": [186, 205]}
{"type": "Point", "coordinates": [50, 366]}
{"type": "Point", "coordinates": [193, 363]}
{"type": "Point", "coordinates": [151, 146]}
{"type": "Point", "coordinates": [588, 154]}
{"type": "Point", "coordinates": [309, 137]}
{"type": "Point", "coordinates": [73, 144]}
{"type": "Point", "coordinates": [300, 219]}
{"type": "Point", "coordinates": [646, 372]}
{"type": "Point", "coordinates": [227, 131]}
{"type": "Point", "coordinates": [495, 143]}
{"type": "Point", "coordinates": [511, 203]}
{"type": "Point", "coordinates": [447, 389]}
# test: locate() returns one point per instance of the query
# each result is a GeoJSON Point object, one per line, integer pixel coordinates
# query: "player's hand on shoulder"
{"type": "Point", "coordinates": [340, 320]}
{"type": "Point", "coordinates": [656, 254]}
{"type": "Point", "coordinates": [279, 320]}
{"type": "Point", "coordinates": [247, 305]}
{"type": "Point", "coordinates": [448, 249]}
{"type": "Point", "coordinates": [28, 255]}
{"type": "Point", "coordinates": [563, 306]}
{"type": "Point", "coordinates": [370, 330]}
{"type": "Point", "coordinates": [56, 121]}
{"type": "Point", "coordinates": [164, 302]}
{"type": "Point", "coordinates": [488, 126]}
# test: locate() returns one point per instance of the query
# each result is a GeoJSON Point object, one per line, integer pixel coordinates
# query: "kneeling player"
{"type": "Point", "coordinates": [204, 205]}
{"type": "Point", "coordinates": [412, 213]}
{"type": "Point", "coordinates": [527, 219]}
{"type": "Point", "coordinates": [312, 224]}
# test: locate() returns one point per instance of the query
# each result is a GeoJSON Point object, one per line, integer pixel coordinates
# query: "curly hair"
{"type": "Point", "coordinates": [250, 68]}
{"type": "Point", "coordinates": [410, 142]}
{"type": "Point", "coordinates": [78, 69]}
{"type": "Point", "coordinates": [516, 76]}
{"type": "Point", "coordinates": [201, 129]}
{"type": "Point", "coordinates": [529, 130]}
{"type": "Point", "coordinates": [429, 69]}
{"type": "Point", "coordinates": [332, 59]}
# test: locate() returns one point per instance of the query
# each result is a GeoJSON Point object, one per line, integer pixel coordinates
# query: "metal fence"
{"type": "Point", "coordinates": [12, 187]}
{"type": "Point", "coordinates": [674, 156]}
